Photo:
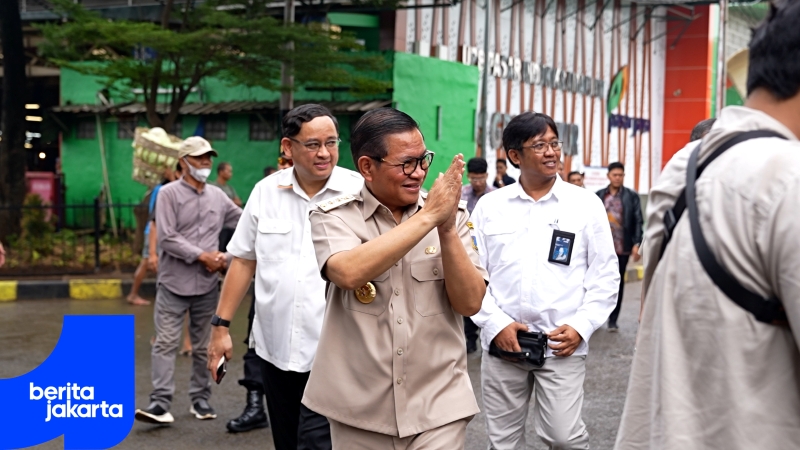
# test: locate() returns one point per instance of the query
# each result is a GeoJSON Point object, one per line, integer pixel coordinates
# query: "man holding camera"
{"type": "Point", "coordinates": [548, 250]}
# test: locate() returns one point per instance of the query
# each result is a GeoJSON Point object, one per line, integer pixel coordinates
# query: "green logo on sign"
{"type": "Point", "coordinates": [617, 90]}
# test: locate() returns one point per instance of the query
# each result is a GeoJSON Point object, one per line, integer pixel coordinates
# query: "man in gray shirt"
{"type": "Point", "coordinates": [189, 215]}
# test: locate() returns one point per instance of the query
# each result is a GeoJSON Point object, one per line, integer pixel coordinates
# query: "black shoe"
{"type": "Point", "coordinates": [154, 414]}
{"type": "Point", "coordinates": [472, 346]}
{"type": "Point", "coordinates": [253, 416]}
{"type": "Point", "coordinates": [613, 328]}
{"type": "Point", "coordinates": [202, 410]}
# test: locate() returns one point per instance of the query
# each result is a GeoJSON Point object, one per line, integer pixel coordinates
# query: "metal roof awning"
{"type": "Point", "coordinates": [216, 108]}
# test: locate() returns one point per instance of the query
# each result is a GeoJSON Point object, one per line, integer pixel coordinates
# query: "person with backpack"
{"type": "Point", "coordinates": [717, 364]}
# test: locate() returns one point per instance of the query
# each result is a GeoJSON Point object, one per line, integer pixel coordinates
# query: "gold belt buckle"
{"type": "Point", "coordinates": [366, 293]}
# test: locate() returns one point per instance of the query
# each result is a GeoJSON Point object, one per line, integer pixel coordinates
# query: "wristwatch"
{"type": "Point", "coordinates": [217, 321]}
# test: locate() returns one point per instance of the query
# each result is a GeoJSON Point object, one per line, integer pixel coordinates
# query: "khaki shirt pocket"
{"type": "Point", "coordinates": [383, 291]}
{"type": "Point", "coordinates": [274, 240]}
{"type": "Point", "coordinates": [430, 296]}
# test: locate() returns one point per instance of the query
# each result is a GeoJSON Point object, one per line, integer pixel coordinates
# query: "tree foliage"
{"type": "Point", "coordinates": [227, 39]}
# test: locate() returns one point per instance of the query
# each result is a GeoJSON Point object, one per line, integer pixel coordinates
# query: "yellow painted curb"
{"type": "Point", "coordinates": [95, 289]}
{"type": "Point", "coordinates": [639, 274]}
{"type": "Point", "coordinates": [8, 291]}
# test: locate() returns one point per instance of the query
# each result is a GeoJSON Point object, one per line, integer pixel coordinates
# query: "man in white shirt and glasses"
{"type": "Point", "coordinates": [548, 250]}
{"type": "Point", "coordinates": [273, 241]}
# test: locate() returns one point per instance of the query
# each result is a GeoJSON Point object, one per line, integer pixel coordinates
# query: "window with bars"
{"type": "Point", "coordinates": [86, 128]}
{"type": "Point", "coordinates": [263, 127]}
{"type": "Point", "coordinates": [216, 128]}
{"type": "Point", "coordinates": [126, 127]}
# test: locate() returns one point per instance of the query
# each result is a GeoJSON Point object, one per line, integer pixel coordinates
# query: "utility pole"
{"type": "Point", "coordinates": [287, 79]}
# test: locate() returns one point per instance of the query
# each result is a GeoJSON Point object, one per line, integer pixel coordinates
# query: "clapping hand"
{"type": "Point", "coordinates": [443, 198]}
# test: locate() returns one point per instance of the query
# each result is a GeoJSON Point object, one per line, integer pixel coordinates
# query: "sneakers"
{"type": "Point", "coordinates": [158, 415]}
{"type": "Point", "coordinates": [613, 328]}
{"type": "Point", "coordinates": [154, 414]}
{"type": "Point", "coordinates": [202, 410]}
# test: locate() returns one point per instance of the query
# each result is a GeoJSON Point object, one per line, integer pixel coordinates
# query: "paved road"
{"type": "Point", "coordinates": [29, 330]}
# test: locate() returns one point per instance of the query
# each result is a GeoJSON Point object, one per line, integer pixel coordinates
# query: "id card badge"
{"type": "Point", "coordinates": [561, 247]}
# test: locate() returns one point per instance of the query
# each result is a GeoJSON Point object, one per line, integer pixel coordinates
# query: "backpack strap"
{"type": "Point", "coordinates": [672, 216]}
{"type": "Point", "coordinates": [765, 310]}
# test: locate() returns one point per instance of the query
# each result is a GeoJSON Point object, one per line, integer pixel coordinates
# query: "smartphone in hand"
{"type": "Point", "coordinates": [222, 368]}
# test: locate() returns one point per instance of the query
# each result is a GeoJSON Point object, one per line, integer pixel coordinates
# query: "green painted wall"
{"type": "Point", "coordinates": [83, 167]}
{"type": "Point", "coordinates": [354, 19]}
{"type": "Point", "coordinates": [79, 89]}
{"type": "Point", "coordinates": [81, 162]}
{"type": "Point", "coordinates": [248, 158]}
{"type": "Point", "coordinates": [421, 86]}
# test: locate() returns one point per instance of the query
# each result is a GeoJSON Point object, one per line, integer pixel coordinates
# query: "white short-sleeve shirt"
{"type": "Point", "coordinates": [290, 294]}
{"type": "Point", "coordinates": [514, 236]}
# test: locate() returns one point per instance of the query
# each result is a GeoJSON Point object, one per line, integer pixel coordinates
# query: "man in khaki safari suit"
{"type": "Point", "coordinates": [391, 366]}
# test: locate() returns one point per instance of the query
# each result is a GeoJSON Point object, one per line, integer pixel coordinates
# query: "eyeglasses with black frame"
{"type": "Point", "coordinates": [410, 164]}
{"type": "Point", "coordinates": [541, 147]}
{"type": "Point", "coordinates": [314, 146]}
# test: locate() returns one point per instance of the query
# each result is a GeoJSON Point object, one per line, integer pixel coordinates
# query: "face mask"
{"type": "Point", "coordinates": [200, 175]}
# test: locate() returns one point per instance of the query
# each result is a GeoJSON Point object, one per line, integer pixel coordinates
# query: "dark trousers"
{"type": "Point", "coordinates": [224, 237]}
{"type": "Point", "coordinates": [623, 264]}
{"type": "Point", "coordinates": [253, 379]}
{"type": "Point", "coordinates": [470, 330]}
{"type": "Point", "coordinates": [294, 427]}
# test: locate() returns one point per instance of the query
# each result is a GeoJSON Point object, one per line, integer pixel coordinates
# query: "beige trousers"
{"type": "Point", "coordinates": [506, 388]}
{"type": "Point", "coordinates": [447, 437]}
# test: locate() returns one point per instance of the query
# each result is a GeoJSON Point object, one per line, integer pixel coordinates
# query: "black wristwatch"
{"type": "Point", "coordinates": [217, 321]}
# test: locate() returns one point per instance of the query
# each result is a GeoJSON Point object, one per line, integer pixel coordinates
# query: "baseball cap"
{"type": "Point", "coordinates": [195, 146]}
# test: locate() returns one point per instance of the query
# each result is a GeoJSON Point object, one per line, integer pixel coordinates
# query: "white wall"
{"type": "Point", "coordinates": [649, 169]}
